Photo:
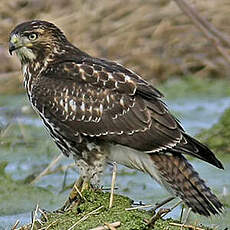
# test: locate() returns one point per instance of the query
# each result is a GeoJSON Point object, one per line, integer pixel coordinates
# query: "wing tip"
{"type": "Point", "coordinates": [203, 152]}
{"type": "Point", "coordinates": [218, 164]}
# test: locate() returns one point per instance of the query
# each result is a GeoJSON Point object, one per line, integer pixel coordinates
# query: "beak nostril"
{"type": "Point", "coordinates": [14, 40]}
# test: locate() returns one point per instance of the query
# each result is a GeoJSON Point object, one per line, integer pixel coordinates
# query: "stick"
{"type": "Point", "coordinates": [137, 207]}
{"type": "Point", "coordinates": [43, 214]}
{"type": "Point", "coordinates": [115, 225]}
{"type": "Point", "coordinates": [178, 203]}
{"type": "Point", "coordinates": [78, 191]}
{"type": "Point", "coordinates": [85, 217]}
{"type": "Point", "coordinates": [45, 171]}
{"type": "Point", "coordinates": [109, 188]}
{"type": "Point", "coordinates": [161, 213]}
{"type": "Point", "coordinates": [158, 205]}
{"type": "Point", "coordinates": [113, 184]}
{"type": "Point", "coordinates": [187, 216]}
{"type": "Point", "coordinates": [34, 217]}
{"type": "Point", "coordinates": [157, 216]}
{"type": "Point", "coordinates": [15, 225]}
{"type": "Point", "coordinates": [110, 226]}
{"type": "Point", "coordinates": [186, 226]}
{"type": "Point", "coordinates": [47, 227]}
{"type": "Point", "coordinates": [210, 32]}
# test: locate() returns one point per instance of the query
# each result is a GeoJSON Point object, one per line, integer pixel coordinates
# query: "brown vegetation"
{"type": "Point", "coordinates": [153, 38]}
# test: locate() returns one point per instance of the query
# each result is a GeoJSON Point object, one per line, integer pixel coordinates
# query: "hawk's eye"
{"type": "Point", "coordinates": [33, 36]}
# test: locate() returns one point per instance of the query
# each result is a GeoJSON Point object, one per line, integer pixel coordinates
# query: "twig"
{"type": "Point", "coordinates": [78, 191]}
{"type": "Point", "coordinates": [105, 227]}
{"type": "Point", "coordinates": [85, 217]}
{"type": "Point", "coordinates": [6, 129]}
{"type": "Point", "coordinates": [65, 176]}
{"type": "Point", "coordinates": [157, 216]}
{"type": "Point", "coordinates": [110, 226]}
{"type": "Point", "coordinates": [46, 170]}
{"type": "Point", "coordinates": [137, 207]}
{"type": "Point", "coordinates": [186, 226]}
{"type": "Point", "coordinates": [108, 188]}
{"type": "Point", "coordinates": [202, 21]}
{"type": "Point", "coordinates": [113, 184]}
{"type": "Point", "coordinates": [15, 225]}
{"type": "Point", "coordinates": [43, 214]}
{"type": "Point", "coordinates": [211, 33]}
{"type": "Point", "coordinates": [34, 214]}
{"type": "Point", "coordinates": [161, 213]}
{"type": "Point", "coordinates": [174, 206]}
{"type": "Point", "coordinates": [187, 215]}
{"type": "Point", "coordinates": [157, 205]}
{"type": "Point", "coordinates": [47, 227]}
{"type": "Point", "coordinates": [182, 212]}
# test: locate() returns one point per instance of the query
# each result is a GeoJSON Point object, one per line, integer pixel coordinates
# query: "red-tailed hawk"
{"type": "Point", "coordinates": [100, 112]}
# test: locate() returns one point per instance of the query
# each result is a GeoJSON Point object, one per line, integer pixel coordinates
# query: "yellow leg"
{"type": "Point", "coordinates": [85, 185]}
{"type": "Point", "coordinates": [75, 196]}
{"type": "Point", "coordinates": [75, 190]}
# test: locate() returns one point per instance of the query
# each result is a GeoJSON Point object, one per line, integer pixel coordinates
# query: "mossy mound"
{"type": "Point", "coordinates": [217, 138]}
{"type": "Point", "coordinates": [94, 212]}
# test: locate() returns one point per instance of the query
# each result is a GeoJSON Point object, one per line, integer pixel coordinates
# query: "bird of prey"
{"type": "Point", "coordinates": [99, 112]}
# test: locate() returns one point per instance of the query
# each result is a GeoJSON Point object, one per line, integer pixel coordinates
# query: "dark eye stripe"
{"type": "Point", "coordinates": [26, 34]}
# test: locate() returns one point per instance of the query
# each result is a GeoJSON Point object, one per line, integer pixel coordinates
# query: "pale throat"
{"type": "Point", "coordinates": [25, 55]}
{"type": "Point", "coordinates": [29, 58]}
{"type": "Point", "coordinates": [30, 63]}
{"type": "Point", "coordinates": [31, 67]}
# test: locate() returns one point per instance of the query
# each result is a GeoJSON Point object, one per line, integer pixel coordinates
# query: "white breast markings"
{"type": "Point", "coordinates": [72, 104]}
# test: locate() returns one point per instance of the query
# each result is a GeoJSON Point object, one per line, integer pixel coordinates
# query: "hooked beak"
{"type": "Point", "coordinates": [14, 43]}
{"type": "Point", "coordinates": [12, 47]}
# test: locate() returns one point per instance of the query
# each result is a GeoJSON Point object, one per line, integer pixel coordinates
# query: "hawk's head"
{"type": "Point", "coordinates": [36, 40]}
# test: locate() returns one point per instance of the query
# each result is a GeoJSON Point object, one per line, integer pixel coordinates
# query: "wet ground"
{"type": "Point", "coordinates": [26, 150]}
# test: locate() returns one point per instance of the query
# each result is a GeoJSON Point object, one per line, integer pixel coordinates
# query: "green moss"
{"type": "Point", "coordinates": [217, 138]}
{"type": "Point", "coordinates": [130, 220]}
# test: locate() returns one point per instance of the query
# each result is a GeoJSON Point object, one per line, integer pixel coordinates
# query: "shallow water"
{"type": "Point", "coordinates": [195, 113]}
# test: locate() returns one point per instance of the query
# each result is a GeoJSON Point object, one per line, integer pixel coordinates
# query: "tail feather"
{"type": "Point", "coordinates": [179, 177]}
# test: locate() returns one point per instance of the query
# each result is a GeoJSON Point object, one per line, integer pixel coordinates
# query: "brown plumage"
{"type": "Point", "coordinates": [100, 111]}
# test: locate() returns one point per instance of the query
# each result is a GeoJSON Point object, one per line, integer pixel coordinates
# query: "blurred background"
{"type": "Point", "coordinates": [153, 38]}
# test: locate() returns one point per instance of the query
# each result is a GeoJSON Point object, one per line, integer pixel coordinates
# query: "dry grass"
{"type": "Point", "coordinates": [153, 38]}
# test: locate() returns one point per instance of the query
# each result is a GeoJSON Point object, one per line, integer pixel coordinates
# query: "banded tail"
{"type": "Point", "coordinates": [179, 177]}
